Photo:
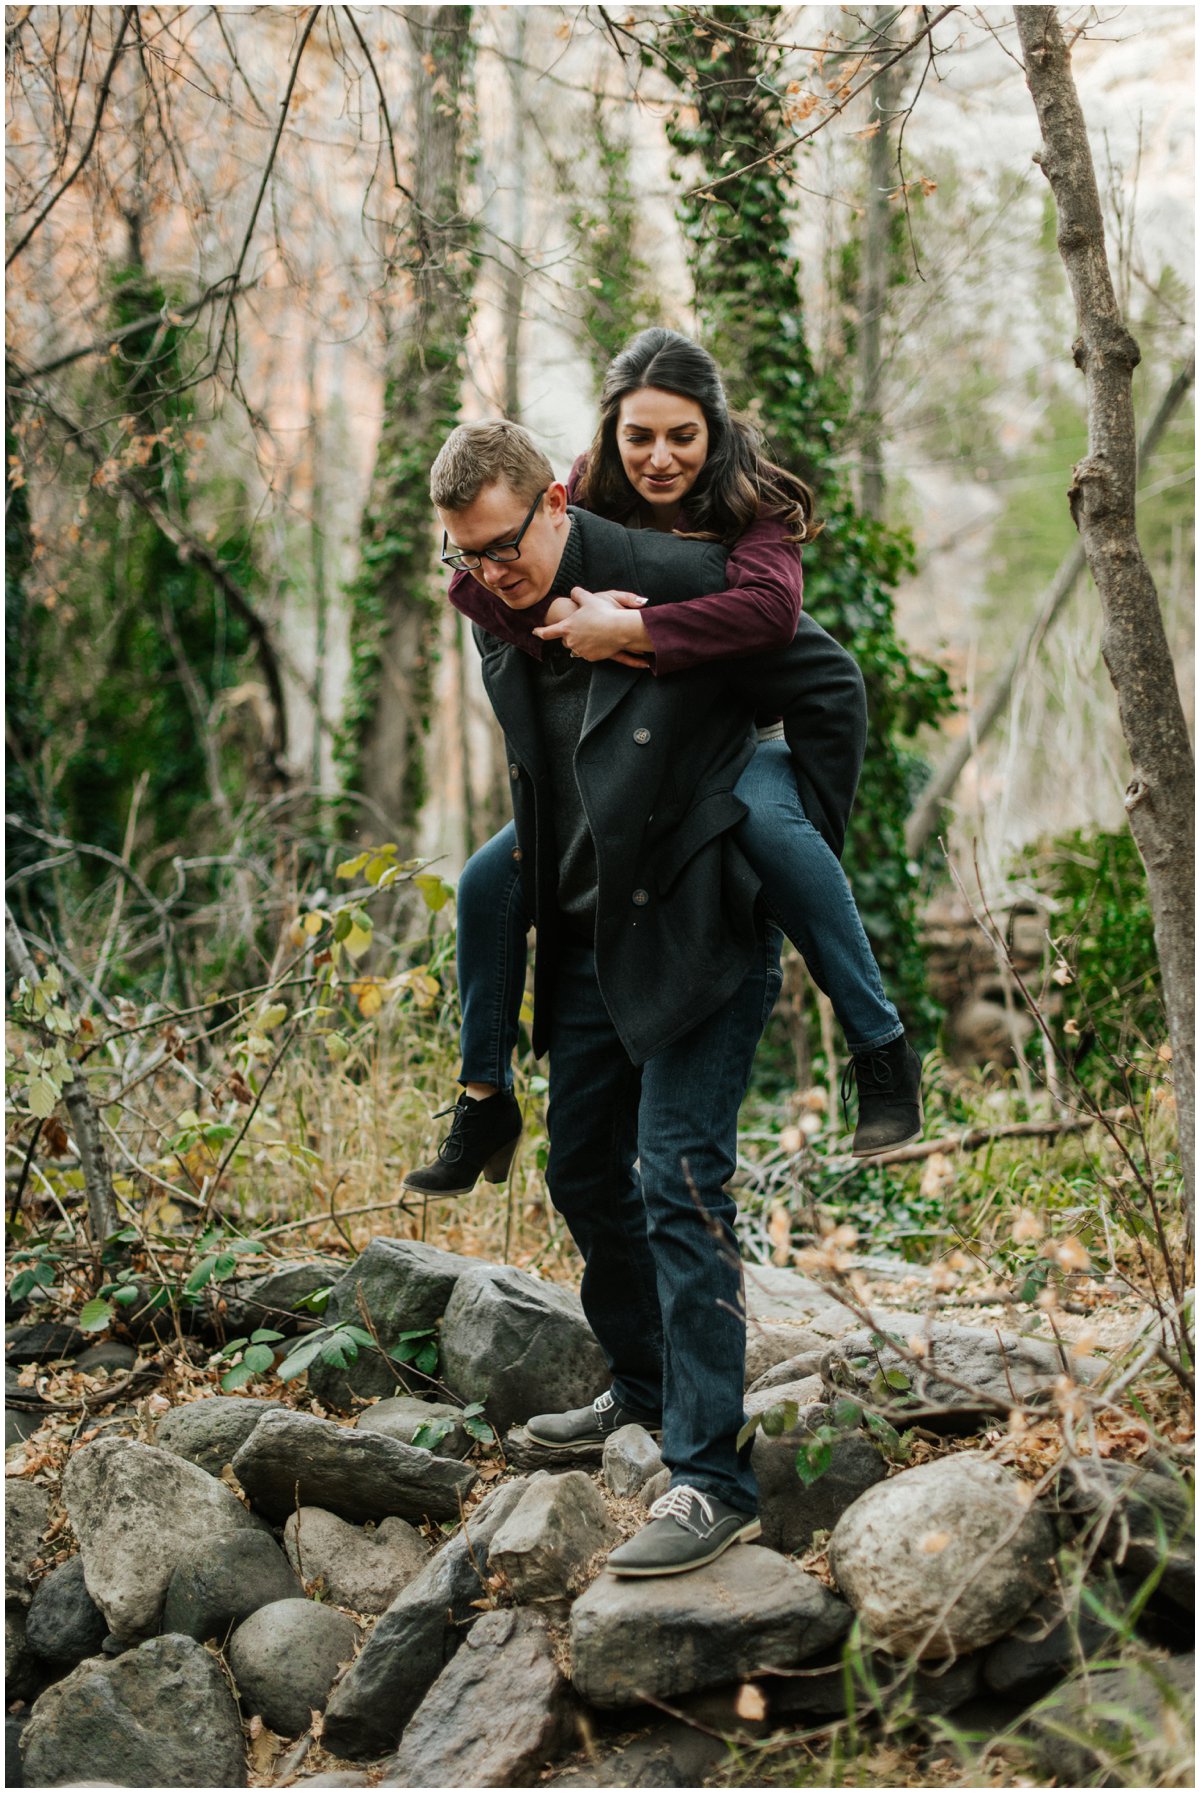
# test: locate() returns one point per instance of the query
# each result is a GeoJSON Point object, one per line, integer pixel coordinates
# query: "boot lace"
{"type": "Point", "coordinates": [459, 1111]}
{"type": "Point", "coordinates": [677, 1503]}
{"type": "Point", "coordinates": [864, 1069]}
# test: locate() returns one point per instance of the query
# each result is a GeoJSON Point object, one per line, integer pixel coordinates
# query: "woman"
{"type": "Point", "coordinates": [669, 455]}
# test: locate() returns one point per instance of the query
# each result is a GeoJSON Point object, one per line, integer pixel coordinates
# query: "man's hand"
{"type": "Point", "coordinates": [605, 625]}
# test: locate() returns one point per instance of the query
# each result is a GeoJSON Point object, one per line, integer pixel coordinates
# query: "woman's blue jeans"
{"type": "Point", "coordinates": [803, 883]}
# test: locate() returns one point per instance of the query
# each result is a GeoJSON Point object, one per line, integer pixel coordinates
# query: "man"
{"type": "Point", "coordinates": [654, 972]}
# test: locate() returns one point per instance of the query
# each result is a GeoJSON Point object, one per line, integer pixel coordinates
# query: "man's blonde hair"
{"type": "Point", "coordinates": [476, 455]}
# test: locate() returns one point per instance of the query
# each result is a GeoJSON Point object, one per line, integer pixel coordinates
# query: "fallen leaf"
{"type": "Point", "coordinates": [750, 1703]}
{"type": "Point", "coordinates": [933, 1543]}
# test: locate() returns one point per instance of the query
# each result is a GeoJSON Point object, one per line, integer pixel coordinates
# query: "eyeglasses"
{"type": "Point", "coordinates": [501, 551]}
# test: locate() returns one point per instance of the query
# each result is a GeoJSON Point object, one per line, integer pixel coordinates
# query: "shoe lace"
{"type": "Point", "coordinates": [676, 1503]}
{"type": "Point", "coordinates": [458, 1110]}
{"type": "Point", "coordinates": [603, 1403]}
{"type": "Point", "coordinates": [864, 1069]}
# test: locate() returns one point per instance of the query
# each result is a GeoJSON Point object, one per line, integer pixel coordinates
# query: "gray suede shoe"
{"type": "Point", "coordinates": [687, 1529]}
{"type": "Point", "coordinates": [587, 1428]}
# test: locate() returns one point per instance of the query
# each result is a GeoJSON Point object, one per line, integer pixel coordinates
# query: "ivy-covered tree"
{"type": "Point", "coordinates": [732, 117]}
{"type": "Point", "coordinates": [616, 286]}
{"type": "Point", "coordinates": [394, 596]}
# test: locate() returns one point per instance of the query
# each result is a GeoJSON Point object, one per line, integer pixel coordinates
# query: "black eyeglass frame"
{"type": "Point", "coordinates": [467, 560]}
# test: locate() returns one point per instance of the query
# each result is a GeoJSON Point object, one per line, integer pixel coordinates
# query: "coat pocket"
{"type": "Point", "coordinates": [712, 815]}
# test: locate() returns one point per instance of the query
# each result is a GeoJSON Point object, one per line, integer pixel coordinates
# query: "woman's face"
{"type": "Point", "coordinates": [663, 443]}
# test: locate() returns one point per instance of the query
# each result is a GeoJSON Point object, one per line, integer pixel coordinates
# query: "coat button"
{"type": "Point", "coordinates": [517, 855]}
{"type": "Point", "coordinates": [641, 736]}
{"type": "Point", "coordinates": [514, 771]}
{"type": "Point", "coordinates": [641, 898]}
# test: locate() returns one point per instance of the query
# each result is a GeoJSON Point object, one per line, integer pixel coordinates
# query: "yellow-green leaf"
{"type": "Point", "coordinates": [350, 868]}
{"type": "Point", "coordinates": [313, 922]}
{"type": "Point", "coordinates": [357, 940]}
{"type": "Point", "coordinates": [42, 1096]}
{"type": "Point", "coordinates": [435, 890]}
{"type": "Point", "coordinates": [272, 1016]}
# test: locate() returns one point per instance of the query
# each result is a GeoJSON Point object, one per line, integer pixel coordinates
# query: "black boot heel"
{"type": "Point", "coordinates": [500, 1163]}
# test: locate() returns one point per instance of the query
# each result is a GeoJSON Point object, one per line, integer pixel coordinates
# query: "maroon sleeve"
{"type": "Point", "coordinates": [516, 626]}
{"type": "Point", "coordinates": [574, 477]}
{"type": "Point", "coordinates": [757, 613]}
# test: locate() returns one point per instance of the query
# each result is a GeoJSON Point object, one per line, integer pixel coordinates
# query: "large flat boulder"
{"type": "Point", "coordinates": [403, 1416]}
{"type": "Point", "coordinates": [748, 1612]}
{"type": "Point", "coordinates": [520, 1346]}
{"type": "Point", "coordinates": [404, 1286]}
{"type": "Point", "coordinates": [417, 1635]}
{"type": "Point", "coordinates": [495, 1716]}
{"type": "Point", "coordinates": [943, 1559]}
{"type": "Point", "coordinates": [137, 1512]}
{"type": "Point", "coordinates": [295, 1458]}
{"type": "Point", "coordinates": [159, 1716]}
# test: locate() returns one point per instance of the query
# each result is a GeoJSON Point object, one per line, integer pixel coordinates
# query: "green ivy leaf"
{"type": "Point", "coordinates": [95, 1315]}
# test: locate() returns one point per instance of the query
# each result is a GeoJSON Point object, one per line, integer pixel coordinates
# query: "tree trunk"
{"type": "Point", "coordinates": [1160, 795]}
{"type": "Point", "coordinates": [927, 813]}
{"type": "Point", "coordinates": [395, 597]}
{"type": "Point", "coordinates": [877, 232]}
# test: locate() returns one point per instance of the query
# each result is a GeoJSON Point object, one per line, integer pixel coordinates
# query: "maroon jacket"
{"type": "Point", "coordinates": [756, 614]}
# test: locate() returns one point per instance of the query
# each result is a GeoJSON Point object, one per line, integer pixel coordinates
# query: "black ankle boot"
{"type": "Point", "coordinates": [889, 1097]}
{"type": "Point", "coordinates": [482, 1140]}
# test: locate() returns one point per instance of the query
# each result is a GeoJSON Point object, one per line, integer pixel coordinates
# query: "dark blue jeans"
{"type": "Point", "coordinates": [804, 885]}
{"type": "Point", "coordinates": [639, 1160]}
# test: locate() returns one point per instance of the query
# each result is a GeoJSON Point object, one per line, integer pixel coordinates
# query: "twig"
{"type": "Point", "coordinates": [972, 1138]}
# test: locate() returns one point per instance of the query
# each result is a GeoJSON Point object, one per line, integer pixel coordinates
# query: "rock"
{"type": "Point", "coordinates": [631, 1457]}
{"type": "Point", "coordinates": [211, 1591]}
{"type": "Point", "coordinates": [523, 1453]}
{"type": "Point", "coordinates": [1143, 1520]}
{"type": "Point", "coordinates": [773, 1343]}
{"type": "Point", "coordinates": [495, 1715]}
{"type": "Point", "coordinates": [26, 1516]}
{"type": "Point", "coordinates": [412, 1642]}
{"type": "Point", "coordinates": [547, 1541]}
{"type": "Point", "coordinates": [520, 1346]}
{"type": "Point", "coordinates": [209, 1433]}
{"type": "Point", "coordinates": [942, 1559]}
{"type": "Point", "coordinates": [270, 1301]}
{"type": "Point", "coordinates": [803, 1391]}
{"type": "Point", "coordinates": [336, 1777]}
{"type": "Point", "coordinates": [806, 1363]}
{"type": "Point", "coordinates": [1125, 1727]}
{"type": "Point", "coordinates": [159, 1716]}
{"type": "Point", "coordinates": [1052, 1638]}
{"type": "Point", "coordinates": [789, 1510]}
{"type": "Point", "coordinates": [363, 1568]}
{"type": "Point", "coordinates": [403, 1415]}
{"type": "Point", "coordinates": [405, 1287]}
{"type": "Point", "coordinates": [995, 1365]}
{"type": "Point", "coordinates": [24, 1672]}
{"type": "Point", "coordinates": [292, 1457]}
{"type": "Point", "coordinates": [109, 1354]}
{"type": "Point", "coordinates": [773, 1293]}
{"type": "Point", "coordinates": [137, 1511]}
{"type": "Point", "coordinates": [14, 1725]}
{"type": "Point", "coordinates": [65, 1625]}
{"type": "Point", "coordinates": [672, 1754]}
{"type": "Point", "coordinates": [285, 1658]}
{"type": "Point", "coordinates": [658, 1484]}
{"type": "Point", "coordinates": [737, 1617]}
{"type": "Point", "coordinates": [41, 1341]}
{"type": "Point", "coordinates": [883, 1684]}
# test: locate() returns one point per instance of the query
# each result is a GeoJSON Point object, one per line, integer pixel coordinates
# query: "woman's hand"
{"type": "Point", "coordinates": [605, 625]}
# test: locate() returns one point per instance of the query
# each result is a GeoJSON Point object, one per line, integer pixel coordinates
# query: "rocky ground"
{"type": "Point", "coordinates": [232, 1591]}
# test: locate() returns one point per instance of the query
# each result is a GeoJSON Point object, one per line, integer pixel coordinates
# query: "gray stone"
{"type": "Point", "coordinates": [885, 1684]}
{"type": "Point", "coordinates": [285, 1658]}
{"type": "Point", "coordinates": [137, 1511]}
{"type": "Point", "coordinates": [412, 1642]}
{"type": "Point", "coordinates": [1132, 1726]}
{"type": "Point", "coordinates": [403, 1415]}
{"type": "Point", "coordinates": [774, 1293]}
{"type": "Point", "coordinates": [158, 1716]}
{"type": "Point", "coordinates": [943, 1559]}
{"type": "Point", "coordinates": [524, 1453]}
{"type": "Point", "coordinates": [631, 1457]}
{"type": "Point", "coordinates": [211, 1591]}
{"type": "Point", "coordinates": [740, 1616]}
{"type": "Point", "coordinates": [994, 1368]}
{"type": "Point", "coordinates": [657, 1486]}
{"type": "Point", "coordinates": [544, 1546]}
{"type": "Point", "coordinates": [801, 1391]}
{"type": "Point", "coordinates": [1052, 1638]}
{"type": "Point", "coordinates": [209, 1433]}
{"type": "Point", "coordinates": [773, 1342]}
{"type": "Point", "coordinates": [362, 1567]}
{"type": "Point", "coordinates": [41, 1341]}
{"type": "Point", "coordinates": [108, 1354]}
{"type": "Point", "coordinates": [520, 1346]}
{"type": "Point", "coordinates": [1144, 1521]}
{"type": "Point", "coordinates": [294, 1457]}
{"type": "Point", "coordinates": [792, 1511]}
{"type": "Point", "coordinates": [269, 1301]}
{"type": "Point", "coordinates": [672, 1754]}
{"type": "Point", "coordinates": [24, 1672]}
{"type": "Point", "coordinates": [405, 1287]}
{"type": "Point", "coordinates": [65, 1625]}
{"type": "Point", "coordinates": [26, 1516]}
{"type": "Point", "coordinates": [496, 1714]}
{"type": "Point", "coordinates": [806, 1362]}
{"type": "Point", "coordinates": [337, 1777]}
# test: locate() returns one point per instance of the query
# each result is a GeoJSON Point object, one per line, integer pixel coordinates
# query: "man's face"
{"type": "Point", "coordinates": [494, 518]}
